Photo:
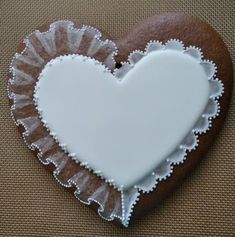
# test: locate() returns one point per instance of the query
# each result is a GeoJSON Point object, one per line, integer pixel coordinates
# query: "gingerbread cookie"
{"type": "Point", "coordinates": [121, 123]}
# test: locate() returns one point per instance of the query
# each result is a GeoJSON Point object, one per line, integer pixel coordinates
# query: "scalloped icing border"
{"type": "Point", "coordinates": [130, 197]}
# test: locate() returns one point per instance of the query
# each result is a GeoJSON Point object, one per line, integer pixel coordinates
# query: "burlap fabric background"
{"type": "Point", "coordinates": [33, 204]}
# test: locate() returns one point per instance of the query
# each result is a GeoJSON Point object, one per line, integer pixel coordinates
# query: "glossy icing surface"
{"type": "Point", "coordinates": [123, 128]}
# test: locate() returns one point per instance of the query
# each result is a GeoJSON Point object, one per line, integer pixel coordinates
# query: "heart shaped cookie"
{"type": "Point", "coordinates": [121, 121]}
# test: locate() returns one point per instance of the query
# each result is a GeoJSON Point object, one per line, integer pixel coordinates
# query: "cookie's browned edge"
{"type": "Point", "coordinates": [192, 31]}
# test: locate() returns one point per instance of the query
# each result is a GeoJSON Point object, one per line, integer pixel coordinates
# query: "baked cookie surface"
{"type": "Point", "coordinates": [46, 50]}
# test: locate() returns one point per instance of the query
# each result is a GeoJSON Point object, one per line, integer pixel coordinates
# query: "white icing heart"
{"type": "Point", "coordinates": [124, 128]}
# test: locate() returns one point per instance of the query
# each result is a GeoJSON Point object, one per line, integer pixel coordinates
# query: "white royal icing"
{"type": "Point", "coordinates": [122, 127]}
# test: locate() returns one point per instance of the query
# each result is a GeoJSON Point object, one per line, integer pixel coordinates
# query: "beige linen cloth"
{"type": "Point", "coordinates": [31, 201]}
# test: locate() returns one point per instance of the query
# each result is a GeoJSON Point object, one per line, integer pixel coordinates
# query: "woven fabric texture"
{"type": "Point", "coordinates": [32, 203]}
